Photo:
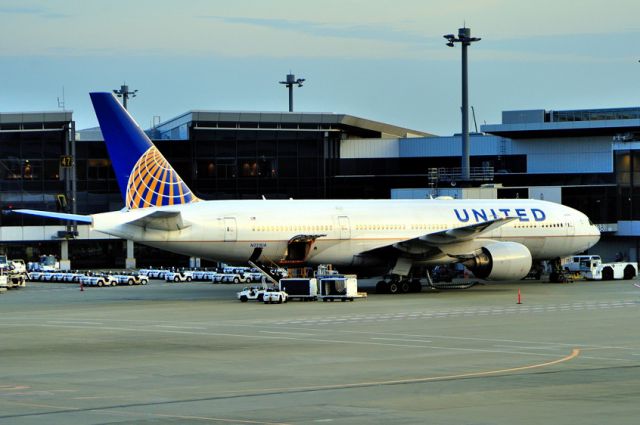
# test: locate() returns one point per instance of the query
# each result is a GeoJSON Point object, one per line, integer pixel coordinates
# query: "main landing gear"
{"type": "Point", "coordinates": [558, 274]}
{"type": "Point", "coordinates": [398, 285]}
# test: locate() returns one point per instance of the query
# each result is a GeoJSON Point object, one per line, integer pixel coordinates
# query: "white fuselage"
{"type": "Point", "coordinates": [231, 230]}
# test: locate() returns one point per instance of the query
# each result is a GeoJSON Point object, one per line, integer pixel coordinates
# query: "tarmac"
{"type": "Point", "coordinates": [192, 354]}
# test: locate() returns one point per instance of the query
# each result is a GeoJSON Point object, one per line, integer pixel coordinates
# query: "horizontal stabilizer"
{"type": "Point", "coordinates": [62, 216]}
{"type": "Point", "coordinates": [161, 220]}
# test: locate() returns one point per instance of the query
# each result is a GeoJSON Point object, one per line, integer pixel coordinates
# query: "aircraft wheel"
{"type": "Point", "coordinates": [404, 286]}
{"type": "Point", "coordinates": [394, 288]}
{"type": "Point", "coordinates": [629, 272]}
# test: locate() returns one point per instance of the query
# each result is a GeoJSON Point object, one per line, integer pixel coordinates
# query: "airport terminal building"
{"type": "Point", "coordinates": [586, 159]}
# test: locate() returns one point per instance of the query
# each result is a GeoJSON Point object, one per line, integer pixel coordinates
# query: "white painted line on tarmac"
{"type": "Point", "coordinates": [527, 347]}
{"type": "Point", "coordinates": [72, 322]}
{"type": "Point", "coordinates": [287, 333]}
{"type": "Point", "coordinates": [402, 339]}
{"type": "Point", "coordinates": [178, 327]}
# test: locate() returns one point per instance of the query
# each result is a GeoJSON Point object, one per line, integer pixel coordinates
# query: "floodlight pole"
{"type": "Point", "coordinates": [464, 37]}
{"type": "Point", "coordinates": [290, 82]}
{"type": "Point", "coordinates": [124, 93]}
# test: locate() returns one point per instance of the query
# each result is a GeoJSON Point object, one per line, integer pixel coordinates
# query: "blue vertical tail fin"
{"type": "Point", "coordinates": [145, 177]}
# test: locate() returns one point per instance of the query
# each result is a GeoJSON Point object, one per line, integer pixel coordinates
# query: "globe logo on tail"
{"type": "Point", "coordinates": [154, 183]}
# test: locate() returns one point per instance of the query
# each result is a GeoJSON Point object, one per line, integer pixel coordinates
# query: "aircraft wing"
{"type": "Point", "coordinates": [161, 220]}
{"type": "Point", "coordinates": [450, 237]}
{"type": "Point", "coordinates": [462, 234]}
{"type": "Point", "coordinates": [62, 216]}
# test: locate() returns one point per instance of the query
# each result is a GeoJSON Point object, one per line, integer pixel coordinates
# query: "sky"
{"type": "Point", "coordinates": [381, 60]}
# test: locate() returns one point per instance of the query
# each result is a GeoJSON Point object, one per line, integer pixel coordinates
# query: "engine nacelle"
{"type": "Point", "coordinates": [501, 261]}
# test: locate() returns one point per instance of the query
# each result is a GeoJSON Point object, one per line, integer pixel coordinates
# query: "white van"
{"type": "Point", "coordinates": [572, 263]}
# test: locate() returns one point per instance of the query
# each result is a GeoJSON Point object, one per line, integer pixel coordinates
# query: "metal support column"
{"type": "Point", "coordinates": [130, 262]}
{"type": "Point", "coordinates": [65, 263]}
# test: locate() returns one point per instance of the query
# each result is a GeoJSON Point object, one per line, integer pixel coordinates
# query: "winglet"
{"type": "Point", "coordinates": [145, 177]}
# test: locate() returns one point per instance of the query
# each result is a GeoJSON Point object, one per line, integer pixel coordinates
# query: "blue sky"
{"type": "Point", "coordinates": [380, 60]}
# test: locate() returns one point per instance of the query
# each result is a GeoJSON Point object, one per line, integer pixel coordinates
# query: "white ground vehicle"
{"type": "Point", "coordinates": [15, 271]}
{"type": "Point", "coordinates": [40, 276]}
{"type": "Point", "coordinates": [14, 279]}
{"type": "Point", "coordinates": [4, 263]}
{"type": "Point", "coordinates": [71, 277]}
{"type": "Point", "coordinates": [98, 280]}
{"type": "Point", "coordinates": [343, 288]}
{"type": "Point", "coordinates": [254, 277]}
{"type": "Point", "coordinates": [203, 275]}
{"type": "Point", "coordinates": [154, 273]}
{"type": "Point", "coordinates": [55, 277]}
{"type": "Point", "coordinates": [229, 278]}
{"type": "Point", "coordinates": [178, 276]}
{"type": "Point", "coordinates": [252, 293]}
{"type": "Point", "coordinates": [576, 262]}
{"type": "Point", "coordinates": [274, 296]}
{"type": "Point", "coordinates": [130, 279]}
{"type": "Point", "coordinates": [19, 266]}
{"type": "Point", "coordinates": [304, 289]}
{"type": "Point", "coordinates": [35, 276]}
{"type": "Point", "coordinates": [234, 269]}
{"type": "Point", "coordinates": [46, 263]}
{"type": "Point", "coordinates": [595, 269]}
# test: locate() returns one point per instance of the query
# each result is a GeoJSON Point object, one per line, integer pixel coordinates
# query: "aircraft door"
{"type": "Point", "coordinates": [345, 227]}
{"type": "Point", "coordinates": [571, 227]}
{"type": "Point", "coordinates": [230, 229]}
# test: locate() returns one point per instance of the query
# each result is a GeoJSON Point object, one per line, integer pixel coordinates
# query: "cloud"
{"type": "Point", "coordinates": [32, 11]}
{"type": "Point", "coordinates": [378, 31]}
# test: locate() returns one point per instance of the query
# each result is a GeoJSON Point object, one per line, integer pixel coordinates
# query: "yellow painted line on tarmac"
{"type": "Point", "coordinates": [98, 411]}
{"type": "Point", "coordinates": [574, 353]}
{"type": "Point", "coordinates": [48, 406]}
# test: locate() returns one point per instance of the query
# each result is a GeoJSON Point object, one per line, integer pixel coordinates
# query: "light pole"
{"type": "Point", "coordinates": [464, 37]}
{"type": "Point", "coordinates": [124, 93]}
{"type": "Point", "coordinates": [290, 82]}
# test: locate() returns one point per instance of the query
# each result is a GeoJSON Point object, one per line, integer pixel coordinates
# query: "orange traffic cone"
{"type": "Point", "coordinates": [519, 297]}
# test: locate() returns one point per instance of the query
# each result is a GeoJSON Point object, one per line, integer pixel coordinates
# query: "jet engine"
{"type": "Point", "coordinates": [500, 261]}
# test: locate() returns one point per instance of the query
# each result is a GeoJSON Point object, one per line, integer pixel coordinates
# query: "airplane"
{"type": "Point", "coordinates": [496, 239]}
